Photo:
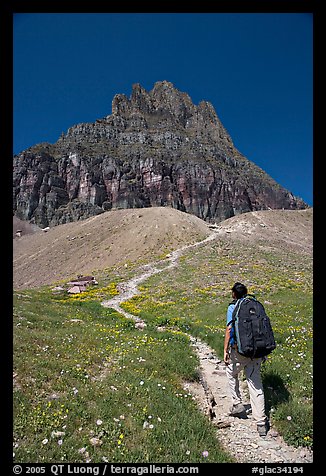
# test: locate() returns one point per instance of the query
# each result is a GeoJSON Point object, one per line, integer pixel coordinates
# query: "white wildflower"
{"type": "Point", "coordinates": [57, 433]}
{"type": "Point", "coordinates": [95, 441]}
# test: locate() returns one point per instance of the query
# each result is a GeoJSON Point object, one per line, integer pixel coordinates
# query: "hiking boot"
{"type": "Point", "coordinates": [263, 429]}
{"type": "Point", "coordinates": [238, 409]}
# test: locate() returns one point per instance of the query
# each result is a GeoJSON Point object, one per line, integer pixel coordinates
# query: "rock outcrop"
{"type": "Point", "coordinates": [156, 149]}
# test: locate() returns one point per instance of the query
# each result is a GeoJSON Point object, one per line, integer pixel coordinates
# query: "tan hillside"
{"type": "Point", "coordinates": [272, 228]}
{"type": "Point", "coordinates": [119, 237]}
{"type": "Point", "coordinates": [112, 238]}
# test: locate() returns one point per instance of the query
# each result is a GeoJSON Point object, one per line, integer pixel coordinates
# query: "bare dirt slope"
{"type": "Point", "coordinates": [272, 228]}
{"type": "Point", "coordinates": [118, 237]}
{"type": "Point", "coordinates": [112, 238]}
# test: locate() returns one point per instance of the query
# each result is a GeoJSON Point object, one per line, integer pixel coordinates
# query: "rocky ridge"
{"type": "Point", "coordinates": [156, 148]}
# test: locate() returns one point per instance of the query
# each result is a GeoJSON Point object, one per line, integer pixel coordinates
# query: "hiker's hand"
{"type": "Point", "coordinates": [226, 358]}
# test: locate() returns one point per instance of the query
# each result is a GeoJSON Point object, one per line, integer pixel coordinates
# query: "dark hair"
{"type": "Point", "coordinates": [239, 290]}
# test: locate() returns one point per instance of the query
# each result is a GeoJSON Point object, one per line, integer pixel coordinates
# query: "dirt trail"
{"type": "Point", "coordinates": [238, 435]}
{"type": "Point", "coordinates": [129, 288]}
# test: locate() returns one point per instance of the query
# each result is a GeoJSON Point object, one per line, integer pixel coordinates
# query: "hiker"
{"type": "Point", "coordinates": [236, 362]}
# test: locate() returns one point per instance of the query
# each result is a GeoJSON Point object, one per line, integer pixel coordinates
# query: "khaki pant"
{"type": "Point", "coordinates": [252, 371]}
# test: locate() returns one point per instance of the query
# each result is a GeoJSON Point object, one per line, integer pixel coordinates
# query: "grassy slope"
{"type": "Point", "coordinates": [99, 377]}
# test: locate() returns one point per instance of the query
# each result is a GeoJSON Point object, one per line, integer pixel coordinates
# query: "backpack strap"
{"type": "Point", "coordinates": [236, 310]}
{"type": "Point", "coordinates": [238, 303]}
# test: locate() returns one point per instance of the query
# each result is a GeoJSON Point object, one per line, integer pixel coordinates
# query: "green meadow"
{"type": "Point", "coordinates": [90, 387]}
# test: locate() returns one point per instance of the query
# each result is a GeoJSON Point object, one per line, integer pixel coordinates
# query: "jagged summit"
{"type": "Point", "coordinates": [156, 148]}
{"type": "Point", "coordinates": [164, 107]}
{"type": "Point", "coordinates": [163, 100]}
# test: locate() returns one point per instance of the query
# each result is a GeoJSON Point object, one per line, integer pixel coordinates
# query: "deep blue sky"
{"type": "Point", "coordinates": [255, 68]}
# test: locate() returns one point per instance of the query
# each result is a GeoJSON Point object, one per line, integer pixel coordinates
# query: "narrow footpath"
{"type": "Point", "coordinates": [237, 435]}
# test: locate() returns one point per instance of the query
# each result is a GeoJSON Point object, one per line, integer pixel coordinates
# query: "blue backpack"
{"type": "Point", "coordinates": [252, 328]}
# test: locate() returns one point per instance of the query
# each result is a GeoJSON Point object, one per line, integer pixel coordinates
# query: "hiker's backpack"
{"type": "Point", "coordinates": [252, 328]}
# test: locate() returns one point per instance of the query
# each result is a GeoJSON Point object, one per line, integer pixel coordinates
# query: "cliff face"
{"type": "Point", "coordinates": [156, 149]}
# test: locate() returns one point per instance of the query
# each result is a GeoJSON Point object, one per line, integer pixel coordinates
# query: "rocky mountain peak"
{"type": "Point", "coordinates": [164, 101]}
{"type": "Point", "coordinates": [156, 148]}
